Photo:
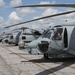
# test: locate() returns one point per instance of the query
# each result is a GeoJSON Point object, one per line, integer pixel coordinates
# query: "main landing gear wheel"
{"type": "Point", "coordinates": [46, 56]}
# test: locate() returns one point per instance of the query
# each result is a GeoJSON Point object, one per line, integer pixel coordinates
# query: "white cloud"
{"type": "Point", "coordinates": [25, 11]}
{"type": "Point", "coordinates": [2, 3]}
{"type": "Point", "coordinates": [14, 3]}
{"type": "Point", "coordinates": [49, 11]}
{"type": "Point", "coordinates": [55, 20]}
{"type": "Point", "coordinates": [18, 15]}
{"type": "Point", "coordinates": [71, 15]}
{"type": "Point", "coordinates": [1, 20]}
{"type": "Point", "coordinates": [58, 20]}
{"type": "Point", "coordinates": [43, 2]}
{"type": "Point", "coordinates": [46, 2]}
{"type": "Point", "coordinates": [14, 18]}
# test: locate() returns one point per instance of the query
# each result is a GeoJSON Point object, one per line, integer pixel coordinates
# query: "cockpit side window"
{"type": "Point", "coordinates": [58, 34]}
{"type": "Point", "coordinates": [47, 34]}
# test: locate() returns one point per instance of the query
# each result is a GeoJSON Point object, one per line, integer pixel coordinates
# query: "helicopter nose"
{"type": "Point", "coordinates": [43, 46]}
{"type": "Point", "coordinates": [33, 44]}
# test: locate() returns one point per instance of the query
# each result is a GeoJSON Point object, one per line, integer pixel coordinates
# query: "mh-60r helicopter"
{"type": "Point", "coordinates": [57, 41]}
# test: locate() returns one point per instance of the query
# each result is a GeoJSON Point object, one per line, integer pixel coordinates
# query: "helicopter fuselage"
{"type": "Point", "coordinates": [56, 41]}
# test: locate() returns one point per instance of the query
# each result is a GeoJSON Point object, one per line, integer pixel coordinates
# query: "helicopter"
{"type": "Point", "coordinates": [11, 37]}
{"type": "Point", "coordinates": [27, 35]}
{"type": "Point", "coordinates": [57, 41]}
{"type": "Point", "coordinates": [5, 37]}
{"type": "Point", "coordinates": [14, 38]}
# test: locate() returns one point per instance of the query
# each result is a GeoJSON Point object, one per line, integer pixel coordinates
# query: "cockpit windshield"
{"type": "Point", "coordinates": [58, 34]}
{"type": "Point", "coordinates": [47, 33]}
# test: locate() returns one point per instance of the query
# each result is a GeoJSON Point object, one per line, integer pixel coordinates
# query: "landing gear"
{"type": "Point", "coordinates": [46, 56]}
{"type": "Point", "coordinates": [16, 44]}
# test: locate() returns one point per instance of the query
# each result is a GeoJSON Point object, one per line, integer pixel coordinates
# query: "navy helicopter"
{"type": "Point", "coordinates": [27, 35]}
{"type": "Point", "coordinates": [12, 36]}
{"type": "Point", "coordinates": [59, 40]}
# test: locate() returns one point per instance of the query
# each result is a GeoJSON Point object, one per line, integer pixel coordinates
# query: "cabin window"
{"type": "Point", "coordinates": [23, 37]}
{"type": "Point", "coordinates": [65, 38]}
{"type": "Point", "coordinates": [58, 34]}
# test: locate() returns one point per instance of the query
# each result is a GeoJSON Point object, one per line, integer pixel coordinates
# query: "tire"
{"type": "Point", "coordinates": [46, 56]}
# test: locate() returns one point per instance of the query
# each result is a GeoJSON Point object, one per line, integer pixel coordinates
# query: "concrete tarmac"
{"type": "Point", "coordinates": [19, 62]}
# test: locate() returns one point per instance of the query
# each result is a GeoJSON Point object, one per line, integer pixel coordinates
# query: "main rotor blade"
{"type": "Point", "coordinates": [22, 28]}
{"type": "Point", "coordinates": [41, 18]}
{"type": "Point", "coordinates": [48, 5]}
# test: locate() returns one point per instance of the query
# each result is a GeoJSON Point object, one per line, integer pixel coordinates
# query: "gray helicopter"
{"type": "Point", "coordinates": [27, 35]}
{"type": "Point", "coordinates": [11, 37]}
{"type": "Point", "coordinates": [14, 38]}
{"type": "Point", "coordinates": [57, 41]}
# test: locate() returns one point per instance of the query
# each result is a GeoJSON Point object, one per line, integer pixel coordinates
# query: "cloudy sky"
{"type": "Point", "coordinates": [10, 15]}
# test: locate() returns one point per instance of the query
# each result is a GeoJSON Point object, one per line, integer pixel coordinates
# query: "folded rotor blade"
{"type": "Point", "coordinates": [41, 18]}
{"type": "Point", "coordinates": [48, 5]}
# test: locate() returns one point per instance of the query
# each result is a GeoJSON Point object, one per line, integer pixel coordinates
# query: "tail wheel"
{"type": "Point", "coordinates": [46, 56]}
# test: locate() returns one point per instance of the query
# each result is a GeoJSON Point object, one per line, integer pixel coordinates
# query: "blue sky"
{"type": "Point", "coordinates": [7, 11]}
{"type": "Point", "coordinates": [9, 15]}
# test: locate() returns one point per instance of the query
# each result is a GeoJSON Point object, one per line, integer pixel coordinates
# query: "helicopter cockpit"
{"type": "Point", "coordinates": [53, 38]}
{"type": "Point", "coordinates": [47, 33]}
{"type": "Point", "coordinates": [58, 34]}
